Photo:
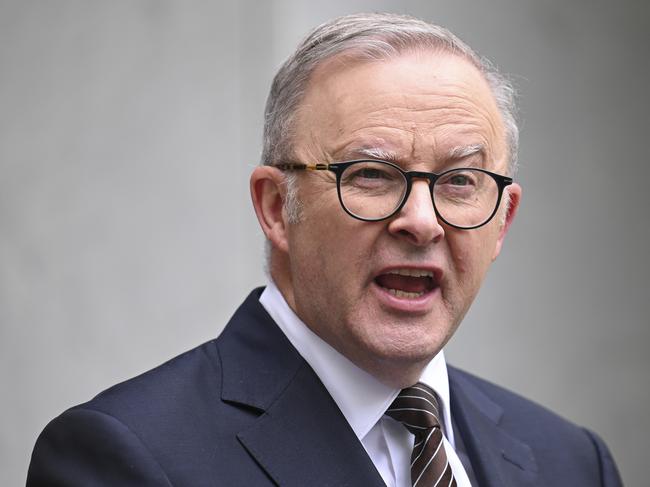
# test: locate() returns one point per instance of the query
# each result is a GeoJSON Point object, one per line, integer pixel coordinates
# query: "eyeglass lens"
{"type": "Point", "coordinates": [374, 190]}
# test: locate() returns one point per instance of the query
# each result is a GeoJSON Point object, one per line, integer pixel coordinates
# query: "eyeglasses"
{"type": "Point", "coordinates": [372, 190]}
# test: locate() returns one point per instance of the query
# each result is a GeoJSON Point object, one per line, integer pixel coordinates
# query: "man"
{"type": "Point", "coordinates": [385, 193]}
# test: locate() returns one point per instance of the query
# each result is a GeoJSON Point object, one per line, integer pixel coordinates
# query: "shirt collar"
{"type": "Point", "coordinates": [361, 398]}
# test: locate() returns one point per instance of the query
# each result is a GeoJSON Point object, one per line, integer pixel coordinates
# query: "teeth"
{"type": "Point", "coordinates": [404, 294]}
{"type": "Point", "coordinates": [411, 272]}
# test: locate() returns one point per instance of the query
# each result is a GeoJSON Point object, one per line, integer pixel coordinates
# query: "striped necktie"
{"type": "Point", "coordinates": [416, 407]}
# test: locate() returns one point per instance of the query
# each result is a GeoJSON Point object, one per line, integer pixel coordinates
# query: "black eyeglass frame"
{"type": "Point", "coordinates": [338, 168]}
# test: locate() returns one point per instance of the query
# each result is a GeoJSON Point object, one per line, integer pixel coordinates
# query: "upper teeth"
{"type": "Point", "coordinates": [411, 272]}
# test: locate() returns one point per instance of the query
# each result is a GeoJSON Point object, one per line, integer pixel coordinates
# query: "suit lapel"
{"type": "Point", "coordinates": [301, 438]}
{"type": "Point", "coordinates": [498, 459]}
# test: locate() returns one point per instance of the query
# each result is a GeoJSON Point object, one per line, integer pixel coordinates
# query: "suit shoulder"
{"type": "Point", "coordinates": [87, 447]}
{"type": "Point", "coordinates": [166, 426]}
{"type": "Point", "coordinates": [495, 392]}
{"type": "Point", "coordinates": [190, 378]}
{"type": "Point", "coordinates": [573, 449]}
{"type": "Point", "coordinates": [517, 409]}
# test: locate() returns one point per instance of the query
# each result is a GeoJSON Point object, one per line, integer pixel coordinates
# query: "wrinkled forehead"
{"type": "Point", "coordinates": [428, 98]}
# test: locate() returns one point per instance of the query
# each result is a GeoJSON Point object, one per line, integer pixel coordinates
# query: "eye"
{"type": "Point", "coordinates": [459, 178]}
{"type": "Point", "coordinates": [370, 173]}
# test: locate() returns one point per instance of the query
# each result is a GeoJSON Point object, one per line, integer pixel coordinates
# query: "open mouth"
{"type": "Point", "coordinates": [407, 283]}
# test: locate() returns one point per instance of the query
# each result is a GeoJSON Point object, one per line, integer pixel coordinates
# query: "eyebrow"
{"type": "Point", "coordinates": [463, 151]}
{"type": "Point", "coordinates": [455, 154]}
{"type": "Point", "coordinates": [376, 153]}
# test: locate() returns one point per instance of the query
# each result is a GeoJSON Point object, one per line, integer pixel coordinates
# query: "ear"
{"type": "Point", "coordinates": [514, 192]}
{"type": "Point", "coordinates": [268, 193]}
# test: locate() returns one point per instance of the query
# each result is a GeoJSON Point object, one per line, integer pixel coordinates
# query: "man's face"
{"type": "Point", "coordinates": [424, 111]}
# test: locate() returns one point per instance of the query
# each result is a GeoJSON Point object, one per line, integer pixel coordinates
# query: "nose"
{"type": "Point", "coordinates": [417, 221]}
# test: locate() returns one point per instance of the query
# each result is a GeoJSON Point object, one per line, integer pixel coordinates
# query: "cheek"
{"type": "Point", "coordinates": [323, 252]}
{"type": "Point", "coordinates": [470, 258]}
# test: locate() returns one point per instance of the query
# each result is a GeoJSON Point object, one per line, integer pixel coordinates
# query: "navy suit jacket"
{"type": "Point", "coordinates": [246, 409]}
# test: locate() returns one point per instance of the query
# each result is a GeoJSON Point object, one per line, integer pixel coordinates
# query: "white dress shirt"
{"type": "Point", "coordinates": [363, 400]}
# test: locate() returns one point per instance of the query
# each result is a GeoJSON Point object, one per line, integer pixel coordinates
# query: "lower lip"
{"type": "Point", "coordinates": [419, 305]}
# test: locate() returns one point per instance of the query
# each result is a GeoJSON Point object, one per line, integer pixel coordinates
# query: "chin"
{"type": "Point", "coordinates": [406, 348]}
{"type": "Point", "coordinates": [397, 366]}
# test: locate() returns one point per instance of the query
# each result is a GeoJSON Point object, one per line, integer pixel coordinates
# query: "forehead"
{"type": "Point", "coordinates": [419, 105]}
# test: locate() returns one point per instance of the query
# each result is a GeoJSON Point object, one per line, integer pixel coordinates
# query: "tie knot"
{"type": "Point", "coordinates": [417, 408]}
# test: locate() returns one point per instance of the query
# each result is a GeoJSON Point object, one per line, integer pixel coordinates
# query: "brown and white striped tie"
{"type": "Point", "coordinates": [416, 407]}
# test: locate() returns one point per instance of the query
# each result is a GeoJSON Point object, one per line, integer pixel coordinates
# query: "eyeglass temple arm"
{"type": "Point", "coordinates": [297, 166]}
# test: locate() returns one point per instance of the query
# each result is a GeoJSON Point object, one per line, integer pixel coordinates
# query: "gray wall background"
{"type": "Point", "coordinates": [127, 133]}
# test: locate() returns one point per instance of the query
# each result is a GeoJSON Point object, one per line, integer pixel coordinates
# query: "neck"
{"type": "Point", "coordinates": [395, 373]}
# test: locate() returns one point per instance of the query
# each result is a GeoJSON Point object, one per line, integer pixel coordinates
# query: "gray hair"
{"type": "Point", "coordinates": [371, 37]}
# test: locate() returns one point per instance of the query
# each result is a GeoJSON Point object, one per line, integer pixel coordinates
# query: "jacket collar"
{"type": "Point", "coordinates": [498, 459]}
{"type": "Point", "coordinates": [301, 437]}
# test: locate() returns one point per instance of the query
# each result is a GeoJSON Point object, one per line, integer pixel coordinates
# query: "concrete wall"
{"type": "Point", "coordinates": [127, 133]}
